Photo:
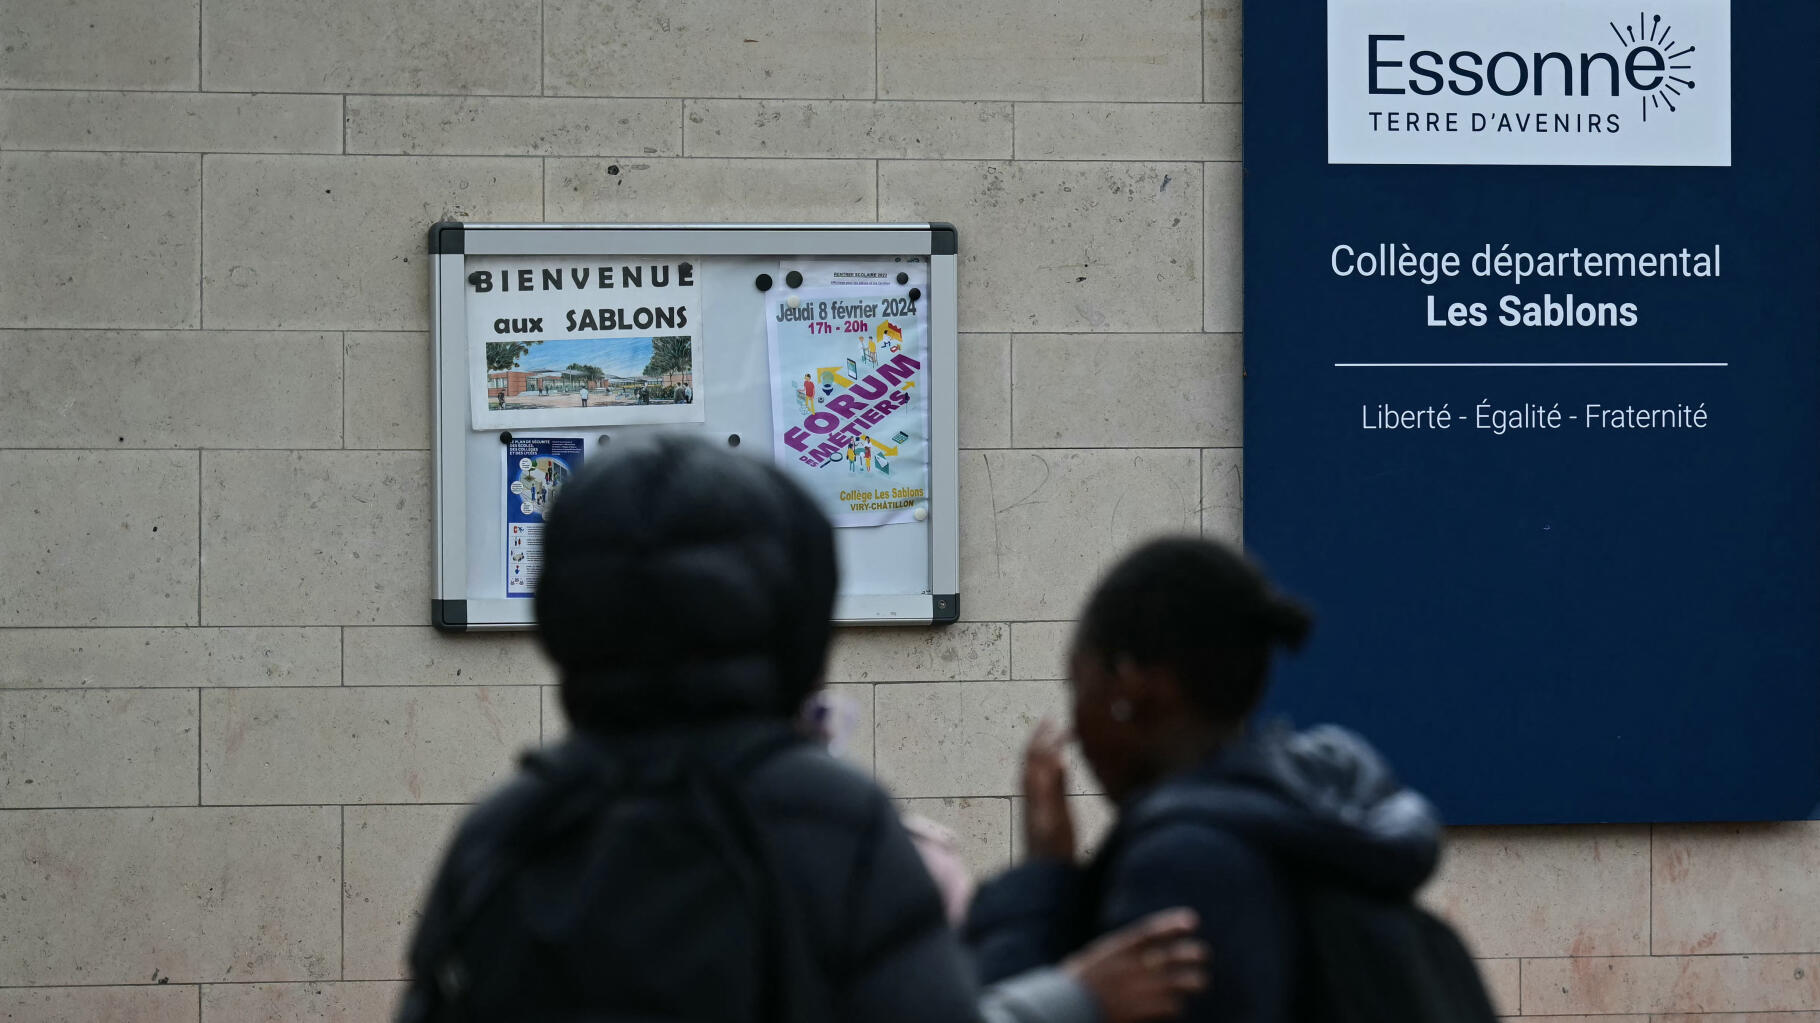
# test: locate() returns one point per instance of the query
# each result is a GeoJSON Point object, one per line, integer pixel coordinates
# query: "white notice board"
{"type": "Point", "coordinates": [830, 349]}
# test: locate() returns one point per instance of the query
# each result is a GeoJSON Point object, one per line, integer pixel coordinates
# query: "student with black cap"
{"type": "Point", "coordinates": [687, 853]}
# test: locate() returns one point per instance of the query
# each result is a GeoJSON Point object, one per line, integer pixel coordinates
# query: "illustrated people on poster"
{"type": "Point", "coordinates": [539, 484]}
{"type": "Point", "coordinates": [846, 379]}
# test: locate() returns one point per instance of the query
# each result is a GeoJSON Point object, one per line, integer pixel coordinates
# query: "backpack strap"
{"type": "Point", "coordinates": [793, 990]}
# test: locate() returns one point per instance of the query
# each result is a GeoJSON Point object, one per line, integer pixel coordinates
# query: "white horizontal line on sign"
{"type": "Point", "coordinates": [1530, 365]}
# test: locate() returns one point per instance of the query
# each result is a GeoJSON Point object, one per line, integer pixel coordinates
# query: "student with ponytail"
{"type": "Point", "coordinates": [1298, 852]}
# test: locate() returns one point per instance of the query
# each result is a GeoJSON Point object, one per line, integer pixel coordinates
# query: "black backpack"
{"type": "Point", "coordinates": [1369, 959]}
{"type": "Point", "coordinates": [635, 890]}
{"type": "Point", "coordinates": [1365, 957]}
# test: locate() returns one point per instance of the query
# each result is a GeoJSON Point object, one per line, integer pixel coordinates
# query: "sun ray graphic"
{"type": "Point", "coordinates": [1650, 32]}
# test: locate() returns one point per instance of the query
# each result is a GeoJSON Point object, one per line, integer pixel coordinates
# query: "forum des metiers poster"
{"type": "Point", "coordinates": [849, 398]}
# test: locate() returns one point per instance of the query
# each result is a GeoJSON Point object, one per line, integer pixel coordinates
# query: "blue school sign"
{"type": "Point", "coordinates": [1532, 409]}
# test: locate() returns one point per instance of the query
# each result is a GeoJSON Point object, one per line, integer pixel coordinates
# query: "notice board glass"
{"type": "Point", "coordinates": [829, 349]}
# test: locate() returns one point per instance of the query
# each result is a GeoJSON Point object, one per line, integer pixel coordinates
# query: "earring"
{"type": "Point", "coordinates": [1120, 711]}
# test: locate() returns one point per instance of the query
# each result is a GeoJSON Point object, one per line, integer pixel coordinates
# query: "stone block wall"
{"type": "Point", "coordinates": [229, 746]}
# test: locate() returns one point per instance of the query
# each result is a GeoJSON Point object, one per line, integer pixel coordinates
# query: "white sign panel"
{"type": "Point", "coordinates": [1531, 82]}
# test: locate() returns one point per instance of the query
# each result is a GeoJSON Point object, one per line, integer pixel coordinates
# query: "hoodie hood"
{"type": "Point", "coordinates": [1322, 802]}
{"type": "Point", "coordinates": [683, 584]}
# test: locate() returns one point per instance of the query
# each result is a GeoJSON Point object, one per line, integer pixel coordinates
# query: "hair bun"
{"type": "Point", "coordinates": [1286, 623]}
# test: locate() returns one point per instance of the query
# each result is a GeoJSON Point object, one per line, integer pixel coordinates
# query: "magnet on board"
{"type": "Point", "coordinates": [793, 279]}
{"type": "Point", "coordinates": [733, 440]}
{"type": "Point", "coordinates": [921, 513]}
{"type": "Point", "coordinates": [604, 439]}
{"type": "Point", "coordinates": [902, 277]}
{"type": "Point", "coordinates": [762, 282]}
{"type": "Point", "coordinates": [505, 436]}
{"type": "Point", "coordinates": [476, 277]}
{"type": "Point", "coordinates": [915, 293]}
{"type": "Point", "coordinates": [794, 301]}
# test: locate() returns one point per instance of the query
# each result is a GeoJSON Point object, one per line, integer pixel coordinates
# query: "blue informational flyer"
{"type": "Point", "coordinates": [536, 469]}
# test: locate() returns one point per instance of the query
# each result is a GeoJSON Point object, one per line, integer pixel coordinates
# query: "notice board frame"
{"type": "Point", "coordinates": [934, 599]}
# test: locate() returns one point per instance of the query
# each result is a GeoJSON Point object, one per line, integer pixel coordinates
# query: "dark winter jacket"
{"type": "Point", "coordinates": [871, 915]}
{"type": "Point", "coordinates": [1317, 806]}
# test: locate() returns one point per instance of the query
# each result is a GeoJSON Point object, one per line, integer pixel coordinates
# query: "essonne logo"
{"type": "Point", "coordinates": [1529, 82]}
{"type": "Point", "coordinates": [1648, 63]}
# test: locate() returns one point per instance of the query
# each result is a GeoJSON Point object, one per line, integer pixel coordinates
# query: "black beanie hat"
{"type": "Point", "coordinates": [683, 583]}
